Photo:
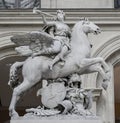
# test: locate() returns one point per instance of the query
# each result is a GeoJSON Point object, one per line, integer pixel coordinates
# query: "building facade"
{"type": "Point", "coordinates": [16, 17]}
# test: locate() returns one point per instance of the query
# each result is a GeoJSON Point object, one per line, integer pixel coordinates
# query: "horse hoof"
{"type": "Point", "coordinates": [108, 74]}
{"type": "Point", "coordinates": [13, 114]}
{"type": "Point", "coordinates": [105, 85]}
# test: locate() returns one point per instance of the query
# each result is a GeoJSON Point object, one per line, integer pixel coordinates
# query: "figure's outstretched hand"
{"type": "Point", "coordinates": [37, 11]}
{"type": "Point", "coordinates": [34, 10]}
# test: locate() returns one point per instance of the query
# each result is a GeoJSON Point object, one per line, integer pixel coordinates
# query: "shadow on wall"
{"type": "Point", "coordinates": [117, 120]}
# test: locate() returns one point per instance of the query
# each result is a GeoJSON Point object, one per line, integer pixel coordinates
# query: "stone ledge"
{"type": "Point", "coordinates": [55, 121]}
{"type": "Point", "coordinates": [69, 118]}
{"type": "Point", "coordinates": [25, 17]}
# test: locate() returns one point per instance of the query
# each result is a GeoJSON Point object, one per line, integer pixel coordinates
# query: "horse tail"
{"type": "Point", "coordinates": [14, 74]}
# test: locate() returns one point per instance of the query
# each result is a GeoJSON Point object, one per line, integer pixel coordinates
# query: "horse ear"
{"type": "Point", "coordinates": [86, 19]}
{"type": "Point", "coordinates": [82, 18]}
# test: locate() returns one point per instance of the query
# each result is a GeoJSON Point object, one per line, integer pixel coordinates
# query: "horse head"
{"type": "Point", "coordinates": [89, 27]}
{"type": "Point", "coordinates": [84, 26]}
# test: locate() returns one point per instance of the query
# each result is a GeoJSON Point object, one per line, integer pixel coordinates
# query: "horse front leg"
{"type": "Point", "coordinates": [17, 92]}
{"type": "Point", "coordinates": [99, 69]}
{"type": "Point", "coordinates": [87, 62]}
{"type": "Point", "coordinates": [92, 61]}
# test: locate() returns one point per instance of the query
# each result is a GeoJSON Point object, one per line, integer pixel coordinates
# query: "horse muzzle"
{"type": "Point", "coordinates": [97, 31]}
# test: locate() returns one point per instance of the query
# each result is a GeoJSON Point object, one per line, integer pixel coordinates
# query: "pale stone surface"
{"type": "Point", "coordinates": [56, 121]}
{"type": "Point", "coordinates": [77, 4]}
{"type": "Point", "coordinates": [56, 90]}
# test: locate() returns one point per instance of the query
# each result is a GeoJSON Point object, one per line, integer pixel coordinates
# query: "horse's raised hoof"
{"type": "Point", "coordinates": [105, 85]}
{"type": "Point", "coordinates": [13, 114]}
{"type": "Point", "coordinates": [108, 74]}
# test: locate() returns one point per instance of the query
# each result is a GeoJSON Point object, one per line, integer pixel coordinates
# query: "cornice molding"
{"type": "Point", "coordinates": [26, 17]}
{"type": "Point", "coordinates": [108, 48]}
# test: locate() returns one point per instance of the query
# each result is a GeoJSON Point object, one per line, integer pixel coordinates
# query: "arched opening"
{"type": "Point", "coordinates": [106, 104]}
{"type": "Point", "coordinates": [117, 92]}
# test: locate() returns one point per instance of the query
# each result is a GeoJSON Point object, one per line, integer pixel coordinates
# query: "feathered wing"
{"type": "Point", "coordinates": [32, 42]}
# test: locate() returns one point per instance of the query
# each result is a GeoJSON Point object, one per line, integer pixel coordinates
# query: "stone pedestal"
{"type": "Point", "coordinates": [56, 121]}
{"type": "Point", "coordinates": [70, 118]}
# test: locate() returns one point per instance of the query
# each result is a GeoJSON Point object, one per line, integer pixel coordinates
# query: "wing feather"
{"type": "Point", "coordinates": [36, 39]}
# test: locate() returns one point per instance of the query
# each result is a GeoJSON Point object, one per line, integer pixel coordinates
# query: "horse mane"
{"type": "Point", "coordinates": [76, 29]}
{"type": "Point", "coordinates": [79, 23]}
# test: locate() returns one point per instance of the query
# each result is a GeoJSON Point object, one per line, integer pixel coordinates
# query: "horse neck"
{"type": "Point", "coordinates": [79, 38]}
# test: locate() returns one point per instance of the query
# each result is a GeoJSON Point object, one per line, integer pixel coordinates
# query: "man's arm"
{"type": "Point", "coordinates": [43, 16]}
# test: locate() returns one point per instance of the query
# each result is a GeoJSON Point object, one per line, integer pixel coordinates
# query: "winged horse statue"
{"type": "Point", "coordinates": [79, 60]}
